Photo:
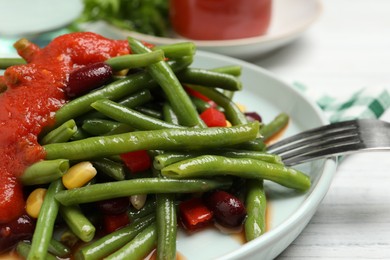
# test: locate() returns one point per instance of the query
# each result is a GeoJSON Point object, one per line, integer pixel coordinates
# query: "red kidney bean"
{"type": "Point", "coordinates": [87, 78]}
{"type": "Point", "coordinates": [252, 116]}
{"type": "Point", "coordinates": [19, 229]}
{"type": "Point", "coordinates": [115, 222]}
{"type": "Point", "coordinates": [113, 206]}
{"type": "Point", "coordinates": [228, 210]}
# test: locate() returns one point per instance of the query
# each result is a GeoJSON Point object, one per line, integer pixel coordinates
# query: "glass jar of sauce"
{"type": "Point", "coordinates": [220, 19]}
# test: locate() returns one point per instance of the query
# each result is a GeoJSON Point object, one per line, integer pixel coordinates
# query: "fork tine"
{"type": "Point", "coordinates": [334, 139]}
{"type": "Point", "coordinates": [316, 151]}
{"type": "Point", "coordinates": [316, 140]}
{"type": "Point", "coordinates": [324, 132]}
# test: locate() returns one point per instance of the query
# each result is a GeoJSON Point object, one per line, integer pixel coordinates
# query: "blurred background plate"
{"type": "Point", "coordinates": [290, 18]}
{"type": "Point", "coordinates": [29, 17]}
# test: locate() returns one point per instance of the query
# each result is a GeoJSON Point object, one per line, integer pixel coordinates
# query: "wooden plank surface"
{"type": "Point", "coordinates": [347, 49]}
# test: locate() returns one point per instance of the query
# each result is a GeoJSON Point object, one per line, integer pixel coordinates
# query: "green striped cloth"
{"type": "Point", "coordinates": [370, 102]}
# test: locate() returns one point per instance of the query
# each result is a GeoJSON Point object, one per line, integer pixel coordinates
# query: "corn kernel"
{"type": "Point", "coordinates": [78, 175]}
{"type": "Point", "coordinates": [34, 202]}
{"type": "Point", "coordinates": [122, 72]}
{"type": "Point", "coordinates": [241, 107]}
{"type": "Point", "coordinates": [228, 124]}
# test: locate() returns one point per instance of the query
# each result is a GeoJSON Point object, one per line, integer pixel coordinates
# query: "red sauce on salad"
{"type": "Point", "coordinates": [34, 92]}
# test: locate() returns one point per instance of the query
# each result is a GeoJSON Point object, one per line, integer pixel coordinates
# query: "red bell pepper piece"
{"type": "Point", "coordinates": [213, 117]}
{"type": "Point", "coordinates": [197, 94]}
{"type": "Point", "coordinates": [137, 161]}
{"type": "Point", "coordinates": [194, 214]}
{"type": "Point", "coordinates": [148, 44]}
{"type": "Point", "coordinates": [115, 222]}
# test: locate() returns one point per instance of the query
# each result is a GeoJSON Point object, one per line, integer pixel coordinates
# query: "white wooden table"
{"type": "Point", "coordinates": [346, 49]}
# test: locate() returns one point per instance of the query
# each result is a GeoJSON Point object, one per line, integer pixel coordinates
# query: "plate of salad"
{"type": "Point", "coordinates": [161, 152]}
{"type": "Point", "coordinates": [149, 21]}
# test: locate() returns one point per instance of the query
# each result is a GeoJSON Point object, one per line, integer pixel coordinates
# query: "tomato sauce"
{"type": "Point", "coordinates": [34, 92]}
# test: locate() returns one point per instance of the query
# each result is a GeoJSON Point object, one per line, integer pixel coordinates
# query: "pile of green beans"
{"type": "Point", "coordinates": [149, 109]}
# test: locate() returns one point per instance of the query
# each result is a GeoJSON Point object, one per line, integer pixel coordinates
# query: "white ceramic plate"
{"type": "Point", "coordinates": [290, 18]}
{"type": "Point", "coordinates": [27, 17]}
{"type": "Point", "coordinates": [289, 211]}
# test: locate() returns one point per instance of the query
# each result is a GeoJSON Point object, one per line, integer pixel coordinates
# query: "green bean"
{"type": "Point", "coordinates": [115, 90]}
{"type": "Point", "coordinates": [252, 145]}
{"type": "Point", "coordinates": [255, 203]}
{"type": "Point", "coordinates": [77, 222]}
{"type": "Point", "coordinates": [136, 99]}
{"type": "Point", "coordinates": [209, 78]}
{"type": "Point", "coordinates": [131, 117]}
{"type": "Point", "coordinates": [166, 216]}
{"type": "Point", "coordinates": [110, 168]}
{"type": "Point", "coordinates": [147, 209]}
{"type": "Point", "coordinates": [177, 50]}
{"type": "Point", "coordinates": [175, 93]}
{"type": "Point", "coordinates": [149, 112]}
{"type": "Point", "coordinates": [166, 226]}
{"type": "Point", "coordinates": [58, 249]}
{"type": "Point", "coordinates": [257, 155]}
{"type": "Point", "coordinates": [212, 165]}
{"type": "Point", "coordinates": [24, 249]}
{"type": "Point", "coordinates": [200, 104]}
{"type": "Point", "coordinates": [131, 61]}
{"type": "Point", "coordinates": [116, 158]}
{"type": "Point", "coordinates": [69, 238]}
{"type": "Point", "coordinates": [98, 126]}
{"type": "Point", "coordinates": [169, 115]}
{"type": "Point", "coordinates": [273, 127]}
{"type": "Point", "coordinates": [163, 160]}
{"type": "Point", "coordinates": [120, 129]}
{"type": "Point", "coordinates": [113, 241]}
{"type": "Point", "coordinates": [232, 112]}
{"type": "Point", "coordinates": [109, 190]}
{"type": "Point", "coordinates": [262, 156]}
{"type": "Point", "coordinates": [166, 139]}
{"type": "Point", "coordinates": [179, 64]}
{"type": "Point", "coordinates": [61, 134]}
{"type": "Point", "coordinates": [8, 62]}
{"type": "Point", "coordinates": [131, 101]}
{"type": "Point", "coordinates": [44, 171]}
{"type": "Point", "coordinates": [234, 70]}
{"type": "Point", "coordinates": [228, 93]}
{"type": "Point", "coordinates": [45, 223]}
{"type": "Point", "coordinates": [139, 247]}
{"type": "Point", "coordinates": [79, 135]}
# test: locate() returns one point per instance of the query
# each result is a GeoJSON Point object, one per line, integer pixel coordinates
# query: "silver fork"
{"type": "Point", "coordinates": [334, 139]}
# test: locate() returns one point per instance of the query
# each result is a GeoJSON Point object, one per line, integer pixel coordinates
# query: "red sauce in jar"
{"type": "Point", "coordinates": [220, 19]}
{"type": "Point", "coordinates": [35, 92]}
